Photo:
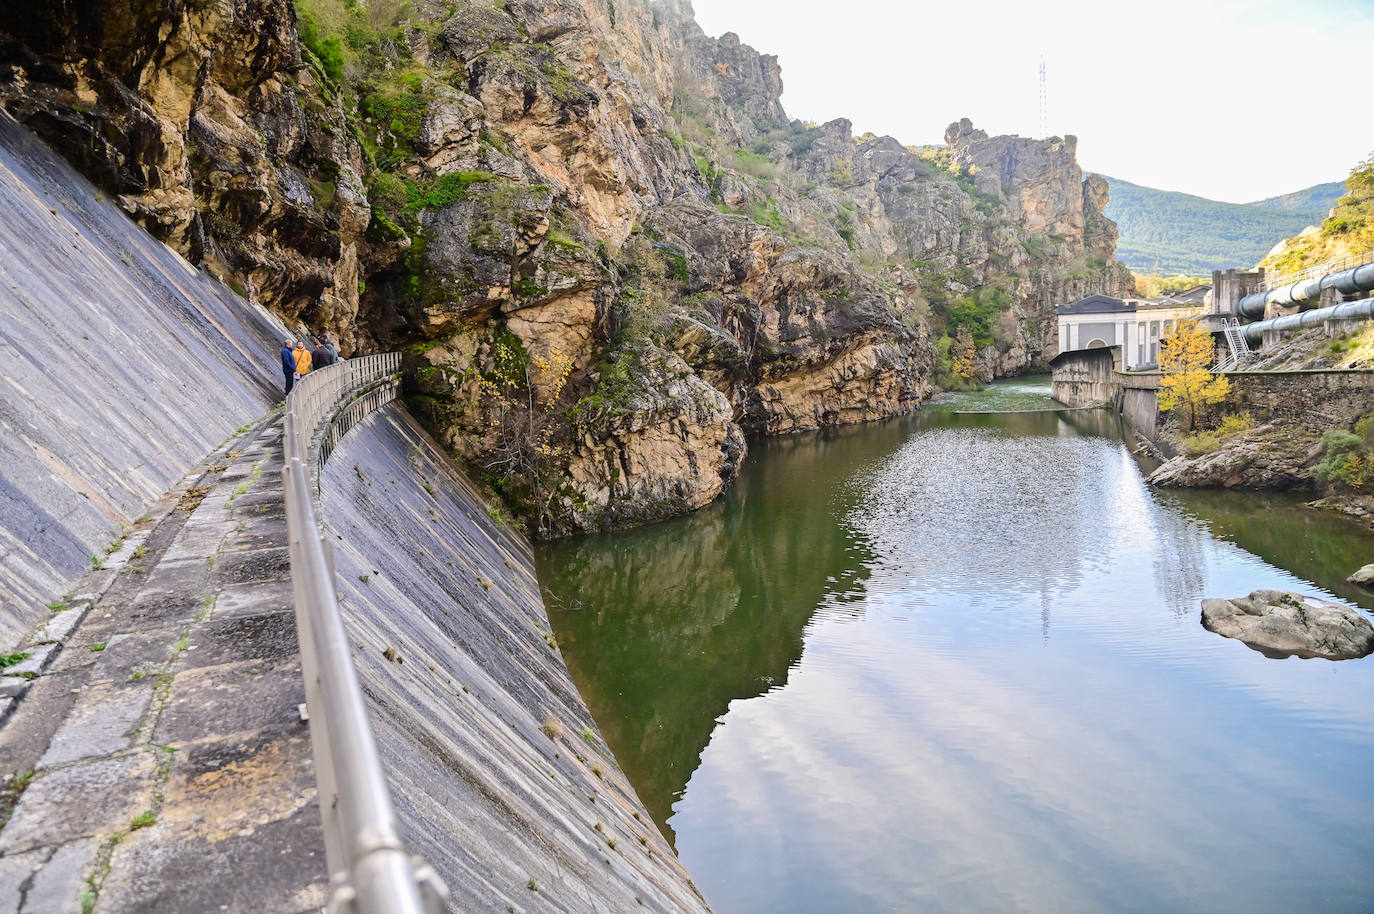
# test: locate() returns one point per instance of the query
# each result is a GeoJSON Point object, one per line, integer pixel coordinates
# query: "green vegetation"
{"type": "Point", "coordinates": [328, 50]}
{"type": "Point", "coordinates": [1349, 230]}
{"type": "Point", "coordinates": [442, 191]}
{"type": "Point", "coordinates": [399, 105]}
{"type": "Point", "coordinates": [1164, 232]}
{"type": "Point", "coordinates": [978, 311]}
{"type": "Point", "coordinates": [9, 660]}
{"type": "Point", "coordinates": [1348, 459]}
{"type": "Point", "coordinates": [755, 165]}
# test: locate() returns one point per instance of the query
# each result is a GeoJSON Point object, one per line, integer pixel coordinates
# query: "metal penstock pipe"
{"type": "Point", "coordinates": [1351, 310]}
{"type": "Point", "coordinates": [1349, 282]}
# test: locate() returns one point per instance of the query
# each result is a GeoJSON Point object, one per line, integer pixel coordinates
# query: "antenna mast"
{"type": "Point", "coordinates": [1044, 103]}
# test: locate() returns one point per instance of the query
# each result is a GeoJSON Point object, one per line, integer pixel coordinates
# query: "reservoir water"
{"type": "Point", "coordinates": [953, 663]}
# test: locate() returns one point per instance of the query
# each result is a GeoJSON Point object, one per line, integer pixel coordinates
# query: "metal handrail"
{"type": "Point", "coordinates": [1278, 280]}
{"type": "Point", "coordinates": [370, 871]}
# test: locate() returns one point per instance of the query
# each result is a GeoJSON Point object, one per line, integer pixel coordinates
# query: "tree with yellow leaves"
{"type": "Point", "coordinates": [1185, 358]}
{"type": "Point", "coordinates": [964, 353]}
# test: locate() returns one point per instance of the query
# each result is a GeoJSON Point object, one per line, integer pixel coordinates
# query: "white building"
{"type": "Point", "coordinates": [1134, 324]}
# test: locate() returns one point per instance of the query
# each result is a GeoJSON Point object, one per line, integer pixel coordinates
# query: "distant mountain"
{"type": "Point", "coordinates": [1166, 233]}
{"type": "Point", "coordinates": [1319, 197]}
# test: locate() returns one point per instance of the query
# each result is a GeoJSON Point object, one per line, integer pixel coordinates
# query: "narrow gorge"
{"type": "Point", "coordinates": [608, 253]}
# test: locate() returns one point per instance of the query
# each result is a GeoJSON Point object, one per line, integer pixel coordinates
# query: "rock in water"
{"type": "Point", "coordinates": [1291, 624]}
{"type": "Point", "coordinates": [1364, 577]}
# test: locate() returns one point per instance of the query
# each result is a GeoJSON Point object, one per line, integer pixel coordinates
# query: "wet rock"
{"type": "Point", "coordinates": [1279, 623]}
{"type": "Point", "coordinates": [1364, 577]}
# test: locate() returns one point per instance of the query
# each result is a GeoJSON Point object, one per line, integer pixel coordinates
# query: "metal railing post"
{"type": "Point", "coordinates": [370, 870]}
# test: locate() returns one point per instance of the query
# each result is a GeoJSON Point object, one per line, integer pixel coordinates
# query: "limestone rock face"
{"type": "Point", "coordinates": [530, 197]}
{"type": "Point", "coordinates": [209, 129]}
{"type": "Point", "coordinates": [1291, 624]}
{"type": "Point", "coordinates": [1040, 181]}
{"type": "Point", "coordinates": [669, 446]}
{"type": "Point", "coordinates": [798, 339]}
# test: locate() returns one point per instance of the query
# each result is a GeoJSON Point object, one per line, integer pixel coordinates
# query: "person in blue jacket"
{"type": "Point", "coordinates": [288, 364]}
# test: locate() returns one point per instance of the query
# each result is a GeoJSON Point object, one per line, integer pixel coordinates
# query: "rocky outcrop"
{"type": "Point", "coordinates": [1363, 576]}
{"type": "Point", "coordinates": [1287, 624]}
{"type": "Point", "coordinates": [663, 445]}
{"type": "Point", "coordinates": [531, 197]}
{"type": "Point", "coordinates": [205, 124]}
{"type": "Point", "coordinates": [1276, 455]}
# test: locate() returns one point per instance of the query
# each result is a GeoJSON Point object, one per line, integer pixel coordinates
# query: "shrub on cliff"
{"type": "Point", "coordinates": [1348, 459]}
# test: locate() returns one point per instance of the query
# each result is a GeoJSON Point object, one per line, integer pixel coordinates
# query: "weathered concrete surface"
{"type": "Point", "coordinates": [455, 653]}
{"type": "Point", "coordinates": [123, 366]}
{"type": "Point", "coordinates": [1280, 623]}
{"type": "Point", "coordinates": [1085, 377]}
{"type": "Point", "coordinates": [158, 763]}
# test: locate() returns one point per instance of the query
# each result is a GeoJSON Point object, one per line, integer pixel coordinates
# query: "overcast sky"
{"type": "Point", "coordinates": [1150, 94]}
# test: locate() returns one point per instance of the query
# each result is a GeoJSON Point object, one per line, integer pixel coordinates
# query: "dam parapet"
{"type": "Point", "coordinates": [500, 777]}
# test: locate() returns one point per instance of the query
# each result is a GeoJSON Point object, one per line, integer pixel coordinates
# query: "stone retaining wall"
{"type": "Point", "coordinates": [1317, 400]}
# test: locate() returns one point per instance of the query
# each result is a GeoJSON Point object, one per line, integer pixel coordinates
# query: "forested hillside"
{"type": "Point", "coordinates": [1347, 232]}
{"type": "Point", "coordinates": [1165, 232]}
{"type": "Point", "coordinates": [1317, 198]}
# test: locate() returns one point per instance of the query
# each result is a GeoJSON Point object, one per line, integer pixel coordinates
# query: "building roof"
{"type": "Point", "coordinates": [1193, 296]}
{"type": "Point", "coordinates": [1096, 304]}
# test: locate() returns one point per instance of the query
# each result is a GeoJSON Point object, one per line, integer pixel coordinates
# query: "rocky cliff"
{"type": "Point", "coordinates": [607, 250]}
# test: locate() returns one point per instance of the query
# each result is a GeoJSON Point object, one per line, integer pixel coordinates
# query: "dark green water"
{"type": "Point", "coordinates": [953, 662]}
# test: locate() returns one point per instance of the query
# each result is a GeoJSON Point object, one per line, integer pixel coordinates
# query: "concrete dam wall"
{"type": "Point", "coordinates": [125, 369]}
{"type": "Point", "coordinates": [500, 776]}
{"type": "Point", "coordinates": [123, 366]}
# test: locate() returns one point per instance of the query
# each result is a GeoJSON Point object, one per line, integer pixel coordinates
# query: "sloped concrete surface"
{"type": "Point", "coordinates": [123, 367]}
{"type": "Point", "coordinates": [156, 761]}
{"type": "Point", "coordinates": [461, 672]}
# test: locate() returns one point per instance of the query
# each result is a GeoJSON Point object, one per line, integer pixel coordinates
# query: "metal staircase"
{"type": "Point", "coordinates": [1238, 348]}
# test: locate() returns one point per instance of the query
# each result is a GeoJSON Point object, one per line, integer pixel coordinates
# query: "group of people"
{"type": "Point", "coordinates": [297, 361]}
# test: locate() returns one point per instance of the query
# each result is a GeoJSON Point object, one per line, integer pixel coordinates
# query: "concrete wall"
{"type": "Point", "coordinates": [1320, 399]}
{"type": "Point", "coordinates": [1141, 409]}
{"type": "Point", "coordinates": [123, 367]}
{"type": "Point", "coordinates": [1085, 377]}
{"type": "Point", "coordinates": [455, 653]}
{"type": "Point", "coordinates": [1317, 400]}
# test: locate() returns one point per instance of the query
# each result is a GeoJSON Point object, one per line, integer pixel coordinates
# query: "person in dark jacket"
{"type": "Point", "coordinates": [288, 364]}
{"type": "Point", "coordinates": [321, 356]}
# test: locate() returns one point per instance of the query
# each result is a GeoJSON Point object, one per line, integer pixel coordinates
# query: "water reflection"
{"type": "Point", "coordinates": [663, 626]}
{"type": "Point", "coordinates": [953, 663]}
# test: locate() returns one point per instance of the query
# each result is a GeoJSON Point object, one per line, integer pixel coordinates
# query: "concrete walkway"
{"type": "Point", "coordinates": [155, 755]}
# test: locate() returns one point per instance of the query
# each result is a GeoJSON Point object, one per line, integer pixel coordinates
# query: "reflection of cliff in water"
{"type": "Point", "coordinates": [1318, 546]}
{"type": "Point", "coordinates": [663, 626]}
